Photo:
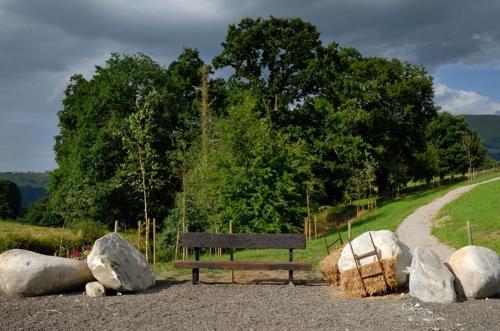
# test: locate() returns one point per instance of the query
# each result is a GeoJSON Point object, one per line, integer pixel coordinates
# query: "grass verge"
{"type": "Point", "coordinates": [481, 207]}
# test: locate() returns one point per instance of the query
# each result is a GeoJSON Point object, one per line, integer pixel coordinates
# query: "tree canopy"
{"type": "Point", "coordinates": [294, 118]}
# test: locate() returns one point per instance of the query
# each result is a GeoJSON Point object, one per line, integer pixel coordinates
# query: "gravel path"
{"type": "Point", "coordinates": [416, 229]}
{"type": "Point", "coordinates": [182, 306]}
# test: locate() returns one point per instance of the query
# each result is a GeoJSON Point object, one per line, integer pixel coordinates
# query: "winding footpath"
{"type": "Point", "coordinates": [415, 230]}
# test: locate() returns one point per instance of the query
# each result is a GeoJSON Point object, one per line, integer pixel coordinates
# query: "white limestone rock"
{"type": "Point", "coordinates": [477, 272]}
{"type": "Point", "coordinates": [117, 265]}
{"type": "Point", "coordinates": [430, 279]}
{"type": "Point", "coordinates": [26, 273]}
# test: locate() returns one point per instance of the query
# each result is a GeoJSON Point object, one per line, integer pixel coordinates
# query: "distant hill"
{"type": "Point", "coordinates": [32, 185]}
{"type": "Point", "coordinates": [488, 128]}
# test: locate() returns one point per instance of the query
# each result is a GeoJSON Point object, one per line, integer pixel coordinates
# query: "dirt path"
{"type": "Point", "coordinates": [416, 229]}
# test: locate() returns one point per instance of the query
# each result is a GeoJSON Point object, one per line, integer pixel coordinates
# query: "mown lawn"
{"type": "Point", "coordinates": [389, 215]}
{"type": "Point", "coordinates": [481, 207]}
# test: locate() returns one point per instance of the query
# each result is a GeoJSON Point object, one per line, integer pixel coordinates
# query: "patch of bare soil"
{"type": "Point", "coordinates": [182, 306]}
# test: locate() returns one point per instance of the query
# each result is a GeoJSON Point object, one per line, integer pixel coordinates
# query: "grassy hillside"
{"type": "Point", "coordinates": [488, 128]}
{"type": "Point", "coordinates": [32, 185]}
{"type": "Point", "coordinates": [481, 207]}
{"type": "Point", "coordinates": [389, 215]}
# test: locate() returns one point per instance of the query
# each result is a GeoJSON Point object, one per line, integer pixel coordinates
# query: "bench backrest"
{"type": "Point", "coordinates": [243, 240]}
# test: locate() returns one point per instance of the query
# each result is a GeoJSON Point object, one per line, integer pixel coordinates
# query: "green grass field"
{"type": "Point", "coordinates": [481, 207]}
{"type": "Point", "coordinates": [389, 215]}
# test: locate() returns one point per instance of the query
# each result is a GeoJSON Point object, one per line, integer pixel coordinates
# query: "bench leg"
{"type": "Point", "coordinates": [196, 272]}
{"type": "Point", "coordinates": [290, 272]}
{"type": "Point", "coordinates": [196, 276]}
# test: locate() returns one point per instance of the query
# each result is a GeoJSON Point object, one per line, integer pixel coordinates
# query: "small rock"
{"type": "Point", "coordinates": [95, 289]}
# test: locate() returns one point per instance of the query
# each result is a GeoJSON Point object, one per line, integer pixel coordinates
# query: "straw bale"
{"type": "Point", "coordinates": [352, 286]}
{"type": "Point", "coordinates": [329, 266]}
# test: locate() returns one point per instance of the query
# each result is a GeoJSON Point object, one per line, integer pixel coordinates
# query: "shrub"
{"type": "Point", "coordinates": [41, 213]}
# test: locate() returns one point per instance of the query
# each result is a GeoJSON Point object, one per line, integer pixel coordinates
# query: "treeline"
{"type": "Point", "coordinates": [294, 118]}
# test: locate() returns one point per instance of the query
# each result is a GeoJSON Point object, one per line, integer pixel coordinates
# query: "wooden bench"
{"type": "Point", "coordinates": [199, 240]}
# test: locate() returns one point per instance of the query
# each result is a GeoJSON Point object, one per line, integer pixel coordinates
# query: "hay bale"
{"type": "Point", "coordinates": [352, 286]}
{"type": "Point", "coordinates": [329, 267]}
{"type": "Point", "coordinates": [388, 247]}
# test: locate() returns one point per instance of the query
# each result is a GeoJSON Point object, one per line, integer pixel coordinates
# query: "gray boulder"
{"type": "Point", "coordinates": [95, 289]}
{"type": "Point", "coordinates": [430, 279]}
{"type": "Point", "coordinates": [26, 273]}
{"type": "Point", "coordinates": [477, 272]}
{"type": "Point", "coordinates": [117, 265]}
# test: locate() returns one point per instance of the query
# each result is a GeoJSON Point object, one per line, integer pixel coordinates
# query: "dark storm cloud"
{"type": "Point", "coordinates": [43, 42]}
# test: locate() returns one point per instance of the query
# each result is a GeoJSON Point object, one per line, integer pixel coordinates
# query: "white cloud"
{"type": "Point", "coordinates": [463, 102]}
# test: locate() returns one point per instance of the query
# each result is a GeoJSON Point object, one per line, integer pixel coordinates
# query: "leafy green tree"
{"type": "Point", "coordinates": [139, 137]}
{"type": "Point", "coordinates": [90, 182]}
{"type": "Point", "coordinates": [10, 199]}
{"type": "Point", "coordinates": [272, 57]}
{"type": "Point", "coordinates": [255, 176]}
{"type": "Point", "coordinates": [446, 133]}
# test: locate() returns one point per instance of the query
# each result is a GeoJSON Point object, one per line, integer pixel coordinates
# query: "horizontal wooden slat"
{"type": "Point", "coordinates": [242, 265]}
{"type": "Point", "coordinates": [372, 275]}
{"type": "Point", "coordinates": [363, 256]}
{"type": "Point", "coordinates": [243, 240]}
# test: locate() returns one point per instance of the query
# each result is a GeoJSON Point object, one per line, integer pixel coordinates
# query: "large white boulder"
{"type": "Point", "coordinates": [477, 272]}
{"type": "Point", "coordinates": [117, 265]}
{"type": "Point", "coordinates": [389, 247]}
{"type": "Point", "coordinates": [26, 273]}
{"type": "Point", "coordinates": [430, 279]}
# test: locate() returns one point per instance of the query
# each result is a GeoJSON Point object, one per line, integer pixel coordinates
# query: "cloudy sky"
{"type": "Point", "coordinates": [42, 43]}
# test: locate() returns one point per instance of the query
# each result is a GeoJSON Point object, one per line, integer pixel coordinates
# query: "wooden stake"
{"type": "Point", "coordinates": [349, 230]}
{"type": "Point", "coordinates": [315, 227]}
{"type": "Point", "coordinates": [116, 226]}
{"type": "Point", "coordinates": [305, 227]}
{"type": "Point", "coordinates": [147, 240]}
{"type": "Point", "coordinates": [309, 227]}
{"type": "Point", "coordinates": [232, 250]}
{"type": "Point", "coordinates": [139, 228]}
{"type": "Point", "coordinates": [154, 243]}
{"type": "Point", "coordinates": [469, 233]}
{"type": "Point", "coordinates": [177, 246]}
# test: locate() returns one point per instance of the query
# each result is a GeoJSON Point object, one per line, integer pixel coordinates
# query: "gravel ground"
{"type": "Point", "coordinates": [182, 306]}
{"type": "Point", "coordinates": [415, 230]}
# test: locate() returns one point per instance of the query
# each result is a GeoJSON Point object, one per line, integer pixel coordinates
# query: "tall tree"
{"type": "Point", "coordinates": [10, 199]}
{"type": "Point", "coordinates": [271, 57]}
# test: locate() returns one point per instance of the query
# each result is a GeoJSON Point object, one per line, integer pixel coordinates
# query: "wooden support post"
{"type": "Point", "coordinates": [196, 271]}
{"type": "Point", "coordinates": [305, 227]}
{"type": "Point", "coordinates": [154, 243]}
{"type": "Point", "coordinates": [290, 272]}
{"type": "Point", "coordinates": [116, 226]}
{"type": "Point", "coordinates": [147, 240]}
{"type": "Point", "coordinates": [139, 228]}
{"type": "Point", "coordinates": [177, 245]}
{"type": "Point", "coordinates": [309, 227]}
{"type": "Point", "coordinates": [349, 230]}
{"type": "Point", "coordinates": [315, 227]}
{"type": "Point", "coordinates": [469, 233]}
{"type": "Point", "coordinates": [232, 250]}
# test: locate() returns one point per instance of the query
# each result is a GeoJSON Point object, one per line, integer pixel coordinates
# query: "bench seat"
{"type": "Point", "coordinates": [242, 265]}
